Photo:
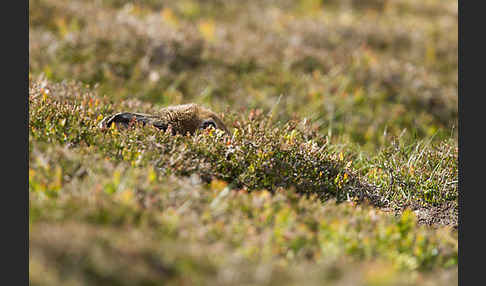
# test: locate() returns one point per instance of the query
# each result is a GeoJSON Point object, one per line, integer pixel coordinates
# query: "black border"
{"type": "Point", "coordinates": [14, 138]}
{"type": "Point", "coordinates": [471, 120]}
{"type": "Point", "coordinates": [15, 91]}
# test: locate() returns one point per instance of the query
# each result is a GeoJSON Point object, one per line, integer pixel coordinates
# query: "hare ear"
{"type": "Point", "coordinates": [117, 119]}
{"type": "Point", "coordinates": [208, 122]}
{"type": "Point", "coordinates": [124, 118]}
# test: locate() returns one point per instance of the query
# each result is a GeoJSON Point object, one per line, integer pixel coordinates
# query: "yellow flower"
{"type": "Point", "coordinates": [169, 17]}
{"type": "Point", "coordinates": [207, 29]}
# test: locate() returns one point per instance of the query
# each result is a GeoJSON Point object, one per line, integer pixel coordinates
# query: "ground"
{"type": "Point", "coordinates": [341, 165]}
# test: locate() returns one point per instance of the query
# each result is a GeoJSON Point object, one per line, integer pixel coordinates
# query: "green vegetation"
{"type": "Point", "coordinates": [342, 166]}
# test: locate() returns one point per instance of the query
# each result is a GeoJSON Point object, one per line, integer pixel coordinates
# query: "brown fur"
{"type": "Point", "coordinates": [182, 119]}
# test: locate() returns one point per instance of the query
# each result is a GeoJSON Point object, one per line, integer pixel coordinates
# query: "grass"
{"type": "Point", "coordinates": [341, 166]}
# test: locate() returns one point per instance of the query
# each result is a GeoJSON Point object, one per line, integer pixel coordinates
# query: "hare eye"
{"type": "Point", "coordinates": [207, 123]}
